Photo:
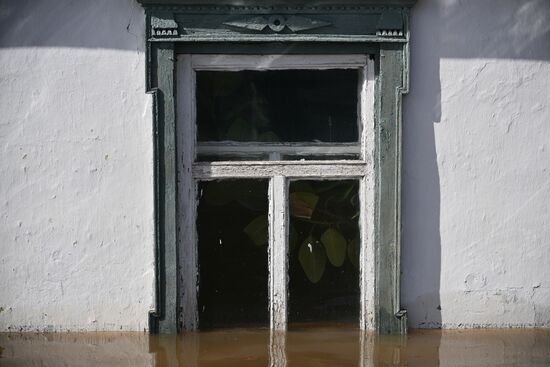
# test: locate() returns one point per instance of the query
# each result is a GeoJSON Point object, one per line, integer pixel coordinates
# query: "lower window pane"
{"type": "Point", "coordinates": [324, 251]}
{"type": "Point", "coordinates": [232, 226]}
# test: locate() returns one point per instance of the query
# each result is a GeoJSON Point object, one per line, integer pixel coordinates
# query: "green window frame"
{"type": "Point", "coordinates": [376, 28]}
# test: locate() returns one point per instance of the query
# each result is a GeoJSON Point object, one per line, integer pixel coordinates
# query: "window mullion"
{"type": "Point", "coordinates": [278, 252]}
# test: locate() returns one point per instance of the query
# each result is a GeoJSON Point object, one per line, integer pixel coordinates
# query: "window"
{"type": "Point", "coordinates": [310, 133]}
{"type": "Point", "coordinates": [276, 189]}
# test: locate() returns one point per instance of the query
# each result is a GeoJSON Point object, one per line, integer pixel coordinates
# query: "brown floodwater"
{"type": "Point", "coordinates": [305, 346]}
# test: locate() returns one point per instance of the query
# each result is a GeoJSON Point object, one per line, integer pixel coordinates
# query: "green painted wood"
{"type": "Point", "coordinates": [164, 319]}
{"type": "Point", "coordinates": [378, 28]}
{"type": "Point", "coordinates": [391, 319]}
{"type": "Point", "coordinates": [280, 2]}
{"type": "Point", "coordinates": [277, 23]}
{"type": "Point", "coordinates": [369, 22]}
{"type": "Point", "coordinates": [312, 48]}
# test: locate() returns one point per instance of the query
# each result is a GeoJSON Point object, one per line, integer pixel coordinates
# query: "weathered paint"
{"type": "Point", "coordinates": [188, 267]}
{"type": "Point", "coordinates": [387, 164]}
{"type": "Point", "coordinates": [367, 256]}
{"type": "Point", "coordinates": [278, 253]}
{"type": "Point", "coordinates": [278, 172]}
{"type": "Point", "coordinates": [163, 317]}
{"type": "Point", "coordinates": [392, 82]}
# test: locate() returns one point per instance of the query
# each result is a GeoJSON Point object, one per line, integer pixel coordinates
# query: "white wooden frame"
{"type": "Point", "coordinates": [278, 172]}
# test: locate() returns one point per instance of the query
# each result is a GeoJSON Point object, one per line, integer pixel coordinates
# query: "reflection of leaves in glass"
{"type": "Point", "coordinates": [241, 130]}
{"type": "Point", "coordinates": [323, 215]}
{"type": "Point", "coordinates": [257, 230]}
{"type": "Point", "coordinates": [247, 120]}
{"type": "Point", "coordinates": [302, 204]}
{"type": "Point", "coordinates": [313, 259]}
{"type": "Point", "coordinates": [258, 107]}
{"type": "Point", "coordinates": [335, 246]}
{"type": "Point", "coordinates": [327, 210]}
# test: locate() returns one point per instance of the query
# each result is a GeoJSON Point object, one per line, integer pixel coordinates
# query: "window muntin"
{"type": "Point", "coordinates": [278, 172]}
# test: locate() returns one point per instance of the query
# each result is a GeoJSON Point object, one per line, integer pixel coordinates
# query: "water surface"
{"type": "Point", "coordinates": [334, 345]}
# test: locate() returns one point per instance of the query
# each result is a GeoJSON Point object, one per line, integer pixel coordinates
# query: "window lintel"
{"type": "Point", "coordinates": [247, 21]}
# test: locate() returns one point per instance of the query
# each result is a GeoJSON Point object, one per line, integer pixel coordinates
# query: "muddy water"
{"type": "Point", "coordinates": [306, 346]}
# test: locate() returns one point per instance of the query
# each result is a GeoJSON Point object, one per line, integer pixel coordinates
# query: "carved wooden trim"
{"type": "Point", "coordinates": [277, 23]}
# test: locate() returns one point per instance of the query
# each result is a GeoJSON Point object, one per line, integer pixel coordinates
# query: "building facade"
{"type": "Point", "coordinates": [76, 191]}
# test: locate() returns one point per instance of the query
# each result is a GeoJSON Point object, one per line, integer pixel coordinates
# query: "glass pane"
{"type": "Point", "coordinates": [278, 105]}
{"type": "Point", "coordinates": [232, 228]}
{"type": "Point", "coordinates": [324, 251]}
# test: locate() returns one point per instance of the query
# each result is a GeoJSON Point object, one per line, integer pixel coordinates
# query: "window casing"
{"type": "Point", "coordinates": [230, 27]}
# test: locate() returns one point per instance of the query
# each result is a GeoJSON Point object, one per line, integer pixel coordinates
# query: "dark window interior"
{"type": "Point", "coordinates": [232, 226]}
{"type": "Point", "coordinates": [278, 106]}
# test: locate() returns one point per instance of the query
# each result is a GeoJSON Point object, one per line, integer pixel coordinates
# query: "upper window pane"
{"type": "Point", "coordinates": [278, 106]}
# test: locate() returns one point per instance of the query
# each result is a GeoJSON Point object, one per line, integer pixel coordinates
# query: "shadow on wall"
{"type": "Point", "coordinates": [448, 29]}
{"type": "Point", "coordinates": [64, 23]}
{"type": "Point", "coordinates": [468, 29]}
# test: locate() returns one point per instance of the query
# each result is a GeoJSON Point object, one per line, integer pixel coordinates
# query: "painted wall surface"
{"type": "Point", "coordinates": [76, 204]}
{"type": "Point", "coordinates": [476, 160]}
{"type": "Point", "coordinates": [76, 209]}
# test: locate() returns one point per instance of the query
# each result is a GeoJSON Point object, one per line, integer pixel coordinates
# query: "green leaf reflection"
{"type": "Point", "coordinates": [302, 204]}
{"type": "Point", "coordinates": [257, 230]}
{"type": "Point", "coordinates": [313, 259]}
{"type": "Point", "coordinates": [335, 245]}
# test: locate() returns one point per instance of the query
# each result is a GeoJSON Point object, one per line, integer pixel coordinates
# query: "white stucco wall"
{"type": "Point", "coordinates": [476, 183]}
{"type": "Point", "coordinates": [76, 209]}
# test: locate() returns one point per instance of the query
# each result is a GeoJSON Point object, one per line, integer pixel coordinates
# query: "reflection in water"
{"type": "Point", "coordinates": [301, 346]}
{"type": "Point", "coordinates": [277, 349]}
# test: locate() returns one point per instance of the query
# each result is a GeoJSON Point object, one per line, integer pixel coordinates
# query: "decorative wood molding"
{"type": "Point", "coordinates": [164, 28]}
{"type": "Point", "coordinates": [364, 22]}
{"type": "Point", "coordinates": [278, 23]}
{"type": "Point", "coordinates": [271, 3]}
{"type": "Point", "coordinates": [379, 28]}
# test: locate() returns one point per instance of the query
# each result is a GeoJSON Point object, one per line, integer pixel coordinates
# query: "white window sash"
{"type": "Point", "coordinates": [278, 172]}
